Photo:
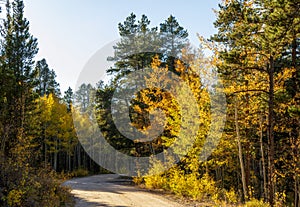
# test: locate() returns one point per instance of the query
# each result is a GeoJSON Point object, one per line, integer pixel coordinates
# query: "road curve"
{"type": "Point", "coordinates": [112, 191]}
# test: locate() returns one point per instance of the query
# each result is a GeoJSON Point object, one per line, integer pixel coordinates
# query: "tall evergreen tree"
{"type": "Point", "coordinates": [45, 78]}
{"type": "Point", "coordinates": [18, 49]}
{"type": "Point", "coordinates": [174, 39]}
{"type": "Point", "coordinates": [254, 35]}
{"type": "Point", "coordinates": [21, 182]}
{"type": "Point", "coordinates": [68, 98]}
{"type": "Point", "coordinates": [85, 97]}
{"type": "Point", "coordinates": [137, 46]}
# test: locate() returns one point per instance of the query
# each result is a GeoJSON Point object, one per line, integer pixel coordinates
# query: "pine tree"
{"type": "Point", "coordinates": [68, 98]}
{"type": "Point", "coordinates": [137, 46]}
{"type": "Point", "coordinates": [254, 34]}
{"type": "Point", "coordinates": [18, 49]}
{"type": "Point", "coordinates": [85, 97]}
{"type": "Point", "coordinates": [174, 39]}
{"type": "Point", "coordinates": [21, 182]}
{"type": "Point", "coordinates": [45, 78]}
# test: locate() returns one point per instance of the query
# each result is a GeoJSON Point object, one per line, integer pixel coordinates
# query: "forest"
{"type": "Point", "coordinates": [255, 161]}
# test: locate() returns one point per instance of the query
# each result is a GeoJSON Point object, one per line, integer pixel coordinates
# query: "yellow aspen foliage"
{"type": "Point", "coordinates": [176, 179]}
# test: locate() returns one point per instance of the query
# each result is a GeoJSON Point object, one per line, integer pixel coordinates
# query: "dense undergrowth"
{"type": "Point", "coordinates": [25, 186]}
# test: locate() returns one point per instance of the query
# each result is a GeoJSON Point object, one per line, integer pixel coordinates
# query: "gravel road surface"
{"type": "Point", "coordinates": [114, 191]}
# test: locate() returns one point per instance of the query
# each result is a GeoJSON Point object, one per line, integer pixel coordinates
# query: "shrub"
{"type": "Point", "coordinates": [225, 198]}
{"type": "Point", "coordinates": [256, 203]}
{"type": "Point", "coordinates": [155, 179]}
{"type": "Point", "coordinates": [80, 172]}
{"type": "Point", "coordinates": [22, 185]}
{"type": "Point", "coordinates": [181, 184]}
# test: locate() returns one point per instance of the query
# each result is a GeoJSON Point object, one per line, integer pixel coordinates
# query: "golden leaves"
{"type": "Point", "coordinates": [282, 76]}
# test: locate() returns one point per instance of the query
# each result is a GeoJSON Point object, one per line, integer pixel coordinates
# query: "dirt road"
{"type": "Point", "coordinates": [112, 191]}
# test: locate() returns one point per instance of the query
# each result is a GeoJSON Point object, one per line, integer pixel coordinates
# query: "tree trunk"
{"type": "Point", "coordinates": [79, 156]}
{"type": "Point", "coordinates": [295, 154]}
{"type": "Point", "coordinates": [296, 189]}
{"type": "Point", "coordinates": [69, 162]}
{"type": "Point", "coordinates": [245, 191]}
{"type": "Point", "coordinates": [263, 159]}
{"type": "Point", "coordinates": [55, 161]}
{"type": "Point", "coordinates": [45, 154]}
{"type": "Point", "coordinates": [271, 133]}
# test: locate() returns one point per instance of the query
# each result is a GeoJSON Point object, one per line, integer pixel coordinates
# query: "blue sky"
{"type": "Point", "coordinates": [69, 32]}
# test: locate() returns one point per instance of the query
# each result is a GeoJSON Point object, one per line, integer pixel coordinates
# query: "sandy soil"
{"type": "Point", "coordinates": [113, 191]}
